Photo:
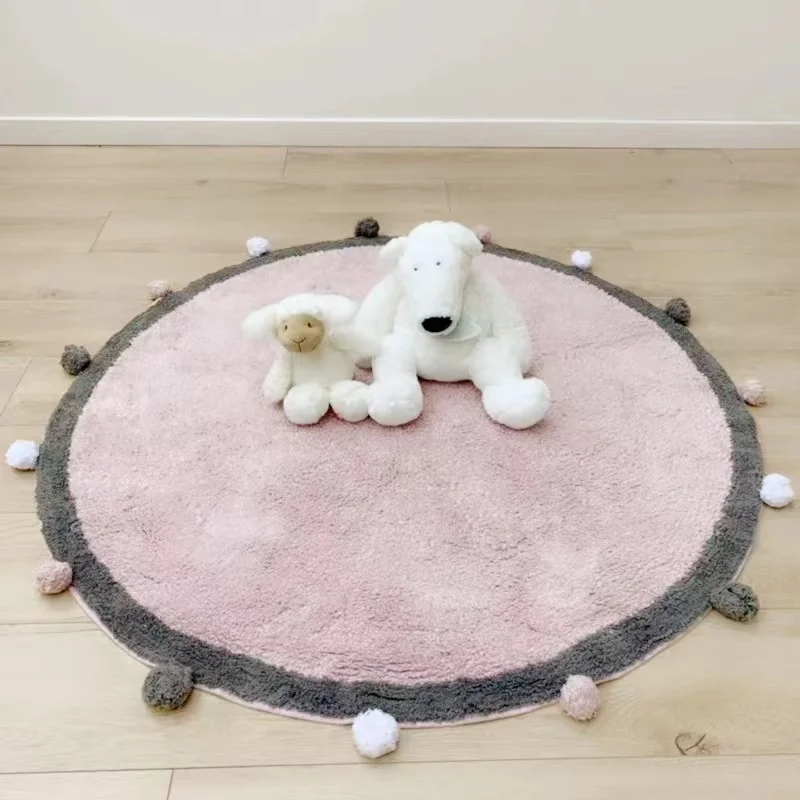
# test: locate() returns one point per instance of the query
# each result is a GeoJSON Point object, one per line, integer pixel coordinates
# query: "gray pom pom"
{"type": "Point", "coordinates": [167, 687]}
{"type": "Point", "coordinates": [368, 228]}
{"type": "Point", "coordinates": [679, 310]}
{"type": "Point", "coordinates": [75, 359]}
{"type": "Point", "coordinates": [736, 601]}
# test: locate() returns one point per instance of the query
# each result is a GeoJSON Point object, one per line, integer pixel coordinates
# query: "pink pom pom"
{"type": "Point", "coordinates": [158, 289]}
{"type": "Point", "coordinates": [580, 697]}
{"type": "Point", "coordinates": [753, 392]}
{"type": "Point", "coordinates": [483, 233]}
{"type": "Point", "coordinates": [53, 577]}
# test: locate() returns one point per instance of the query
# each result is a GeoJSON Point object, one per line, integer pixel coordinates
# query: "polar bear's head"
{"type": "Point", "coordinates": [433, 265]}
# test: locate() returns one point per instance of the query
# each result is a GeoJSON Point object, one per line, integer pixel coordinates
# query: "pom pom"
{"type": "Point", "coordinates": [75, 359]}
{"type": "Point", "coordinates": [158, 289]}
{"type": "Point", "coordinates": [367, 228]}
{"type": "Point", "coordinates": [483, 233]}
{"type": "Point", "coordinates": [753, 392]}
{"type": "Point", "coordinates": [776, 490]}
{"type": "Point", "coordinates": [580, 697]}
{"type": "Point", "coordinates": [679, 310]}
{"type": "Point", "coordinates": [53, 577]}
{"type": "Point", "coordinates": [258, 246]}
{"type": "Point", "coordinates": [22, 455]}
{"type": "Point", "coordinates": [167, 687]}
{"type": "Point", "coordinates": [375, 733]}
{"type": "Point", "coordinates": [582, 259]}
{"type": "Point", "coordinates": [737, 601]}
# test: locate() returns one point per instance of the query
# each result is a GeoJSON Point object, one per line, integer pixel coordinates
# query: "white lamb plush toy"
{"type": "Point", "coordinates": [315, 366]}
{"type": "Point", "coordinates": [443, 318]}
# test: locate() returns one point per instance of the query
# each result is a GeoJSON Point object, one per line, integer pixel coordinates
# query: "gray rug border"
{"type": "Point", "coordinates": [603, 655]}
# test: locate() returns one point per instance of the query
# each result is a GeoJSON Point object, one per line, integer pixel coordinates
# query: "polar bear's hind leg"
{"type": "Point", "coordinates": [508, 398]}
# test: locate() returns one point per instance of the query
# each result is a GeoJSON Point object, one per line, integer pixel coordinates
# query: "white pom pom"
{"type": "Point", "coordinates": [582, 259]}
{"type": "Point", "coordinates": [776, 490]}
{"type": "Point", "coordinates": [375, 733]}
{"type": "Point", "coordinates": [258, 246]}
{"type": "Point", "coordinates": [22, 455]}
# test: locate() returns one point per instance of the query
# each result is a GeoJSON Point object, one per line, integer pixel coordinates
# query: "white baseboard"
{"type": "Point", "coordinates": [410, 132]}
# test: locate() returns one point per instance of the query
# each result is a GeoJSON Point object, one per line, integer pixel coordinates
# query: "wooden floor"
{"type": "Point", "coordinates": [82, 230]}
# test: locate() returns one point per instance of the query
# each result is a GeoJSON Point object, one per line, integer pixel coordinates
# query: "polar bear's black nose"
{"type": "Point", "coordinates": [437, 324]}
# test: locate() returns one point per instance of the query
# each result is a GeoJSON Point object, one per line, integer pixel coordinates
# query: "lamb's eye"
{"type": "Point", "coordinates": [286, 327]}
{"type": "Point", "coordinates": [416, 269]}
{"type": "Point", "coordinates": [309, 324]}
{"type": "Point", "coordinates": [438, 263]}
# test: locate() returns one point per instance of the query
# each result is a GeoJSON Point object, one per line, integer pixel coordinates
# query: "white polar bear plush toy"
{"type": "Point", "coordinates": [443, 318]}
{"type": "Point", "coordinates": [315, 366]}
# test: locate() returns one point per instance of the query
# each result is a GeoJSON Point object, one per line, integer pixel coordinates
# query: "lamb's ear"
{"type": "Point", "coordinates": [463, 238]}
{"type": "Point", "coordinates": [335, 309]}
{"type": "Point", "coordinates": [393, 249]}
{"type": "Point", "coordinates": [261, 324]}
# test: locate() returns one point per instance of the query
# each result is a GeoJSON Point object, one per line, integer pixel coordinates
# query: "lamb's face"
{"type": "Point", "coordinates": [434, 273]}
{"type": "Point", "coordinates": [301, 333]}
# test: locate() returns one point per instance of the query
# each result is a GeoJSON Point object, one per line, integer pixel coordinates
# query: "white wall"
{"type": "Point", "coordinates": [516, 72]}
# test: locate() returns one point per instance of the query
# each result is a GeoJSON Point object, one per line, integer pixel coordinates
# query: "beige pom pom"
{"type": "Point", "coordinates": [483, 233]}
{"type": "Point", "coordinates": [53, 577]}
{"type": "Point", "coordinates": [753, 392]}
{"type": "Point", "coordinates": [158, 289]}
{"type": "Point", "coordinates": [580, 697]}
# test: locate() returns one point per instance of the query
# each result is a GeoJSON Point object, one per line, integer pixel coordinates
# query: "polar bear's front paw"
{"type": "Point", "coordinates": [395, 401]}
{"type": "Point", "coordinates": [518, 404]}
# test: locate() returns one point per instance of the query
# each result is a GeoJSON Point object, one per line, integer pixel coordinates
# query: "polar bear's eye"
{"type": "Point", "coordinates": [416, 269]}
{"type": "Point", "coordinates": [309, 324]}
{"type": "Point", "coordinates": [438, 263]}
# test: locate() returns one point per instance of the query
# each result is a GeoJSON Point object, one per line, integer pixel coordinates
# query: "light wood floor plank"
{"type": "Point", "coordinates": [714, 682]}
{"type": "Point", "coordinates": [767, 166]}
{"type": "Point", "coordinates": [717, 227]}
{"type": "Point", "coordinates": [43, 327]}
{"type": "Point", "coordinates": [102, 278]}
{"type": "Point", "coordinates": [386, 165]}
{"type": "Point", "coordinates": [207, 231]}
{"type": "Point", "coordinates": [708, 232]}
{"type": "Point", "coordinates": [721, 273]}
{"type": "Point", "coordinates": [44, 382]}
{"type": "Point", "coordinates": [12, 368]}
{"type": "Point", "coordinates": [87, 786]}
{"type": "Point", "coordinates": [23, 551]}
{"type": "Point", "coordinates": [623, 779]}
{"type": "Point", "coordinates": [140, 165]}
{"type": "Point", "coordinates": [64, 232]}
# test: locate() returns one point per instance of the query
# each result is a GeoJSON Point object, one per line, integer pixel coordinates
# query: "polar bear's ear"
{"type": "Point", "coordinates": [394, 248]}
{"type": "Point", "coordinates": [463, 238]}
{"type": "Point", "coordinates": [261, 324]}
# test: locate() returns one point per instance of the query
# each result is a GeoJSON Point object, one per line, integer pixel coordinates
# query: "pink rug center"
{"type": "Point", "coordinates": [450, 548]}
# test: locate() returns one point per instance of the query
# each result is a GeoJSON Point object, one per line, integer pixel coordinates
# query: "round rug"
{"type": "Point", "coordinates": [446, 571]}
